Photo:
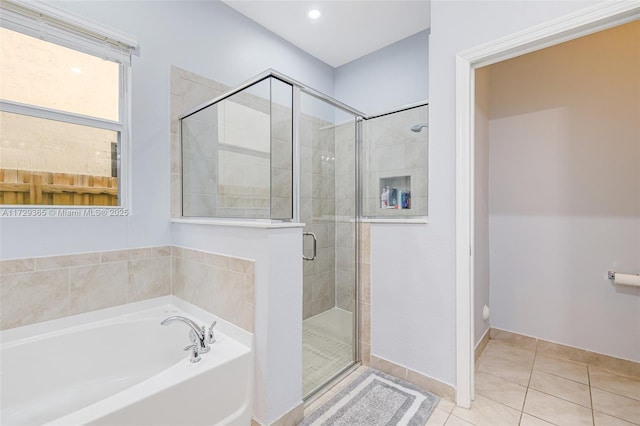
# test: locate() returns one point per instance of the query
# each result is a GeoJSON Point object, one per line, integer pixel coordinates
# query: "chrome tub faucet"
{"type": "Point", "coordinates": [201, 338]}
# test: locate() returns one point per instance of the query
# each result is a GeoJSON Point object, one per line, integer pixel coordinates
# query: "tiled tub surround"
{"type": "Point", "coordinates": [44, 288]}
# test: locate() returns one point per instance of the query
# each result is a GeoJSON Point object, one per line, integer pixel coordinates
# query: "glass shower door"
{"type": "Point", "coordinates": [328, 208]}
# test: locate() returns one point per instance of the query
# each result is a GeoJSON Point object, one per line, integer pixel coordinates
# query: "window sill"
{"type": "Point", "coordinates": [239, 223]}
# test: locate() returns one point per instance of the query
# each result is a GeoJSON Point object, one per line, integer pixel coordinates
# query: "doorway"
{"type": "Point", "coordinates": [594, 19]}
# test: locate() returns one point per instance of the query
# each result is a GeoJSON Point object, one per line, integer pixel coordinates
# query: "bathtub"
{"type": "Point", "coordinates": [119, 366]}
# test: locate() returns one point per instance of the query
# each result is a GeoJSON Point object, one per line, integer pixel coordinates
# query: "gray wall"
{"type": "Point", "coordinates": [388, 78]}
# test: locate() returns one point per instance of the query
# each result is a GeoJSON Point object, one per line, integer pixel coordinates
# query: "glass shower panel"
{"type": "Point", "coordinates": [236, 162]}
{"type": "Point", "coordinates": [328, 209]}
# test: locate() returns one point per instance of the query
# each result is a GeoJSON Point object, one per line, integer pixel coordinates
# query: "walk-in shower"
{"type": "Point", "coordinates": [276, 150]}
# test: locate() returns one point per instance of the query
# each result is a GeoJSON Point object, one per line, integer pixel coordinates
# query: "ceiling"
{"type": "Point", "coordinates": [347, 29]}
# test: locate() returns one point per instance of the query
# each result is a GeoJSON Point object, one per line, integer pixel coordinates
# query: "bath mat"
{"type": "Point", "coordinates": [375, 399]}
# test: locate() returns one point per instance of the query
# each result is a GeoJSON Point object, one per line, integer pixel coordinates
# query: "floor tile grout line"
{"type": "Point", "coordinates": [526, 392]}
{"type": "Point", "coordinates": [593, 414]}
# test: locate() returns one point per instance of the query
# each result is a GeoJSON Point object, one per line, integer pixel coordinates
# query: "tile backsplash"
{"type": "Point", "coordinates": [45, 288]}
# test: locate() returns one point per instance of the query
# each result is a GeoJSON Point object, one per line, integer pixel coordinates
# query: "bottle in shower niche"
{"type": "Point", "coordinates": [384, 198]}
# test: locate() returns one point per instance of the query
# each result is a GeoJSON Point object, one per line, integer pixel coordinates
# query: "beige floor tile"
{"type": "Point", "coordinates": [529, 420]}
{"type": "Point", "coordinates": [563, 368]}
{"type": "Point", "coordinates": [445, 405]}
{"type": "Point", "coordinates": [457, 421]}
{"type": "Point", "coordinates": [487, 412]}
{"type": "Point", "coordinates": [514, 370]}
{"type": "Point", "coordinates": [500, 390]}
{"type": "Point", "coordinates": [615, 383]}
{"type": "Point", "coordinates": [602, 419]}
{"type": "Point", "coordinates": [438, 418]}
{"type": "Point", "coordinates": [556, 410]}
{"type": "Point", "coordinates": [615, 405]}
{"type": "Point", "coordinates": [561, 387]}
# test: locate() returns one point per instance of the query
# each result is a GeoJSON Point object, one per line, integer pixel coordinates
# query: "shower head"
{"type": "Point", "coordinates": [418, 127]}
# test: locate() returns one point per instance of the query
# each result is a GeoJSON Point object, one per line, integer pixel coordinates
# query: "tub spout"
{"type": "Point", "coordinates": [199, 336]}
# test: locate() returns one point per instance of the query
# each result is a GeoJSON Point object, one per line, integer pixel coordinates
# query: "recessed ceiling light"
{"type": "Point", "coordinates": [314, 14]}
{"type": "Point", "coordinates": [76, 70]}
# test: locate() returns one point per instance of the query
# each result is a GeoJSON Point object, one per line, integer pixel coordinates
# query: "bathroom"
{"type": "Point", "coordinates": [410, 322]}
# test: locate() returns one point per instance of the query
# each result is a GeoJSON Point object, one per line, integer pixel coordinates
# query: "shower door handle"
{"type": "Point", "coordinates": [315, 245]}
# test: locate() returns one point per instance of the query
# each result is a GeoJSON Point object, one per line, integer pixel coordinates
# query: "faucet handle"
{"type": "Point", "coordinates": [195, 352]}
{"type": "Point", "coordinates": [211, 337]}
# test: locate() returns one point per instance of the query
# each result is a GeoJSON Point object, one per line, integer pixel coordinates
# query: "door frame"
{"type": "Point", "coordinates": [584, 22]}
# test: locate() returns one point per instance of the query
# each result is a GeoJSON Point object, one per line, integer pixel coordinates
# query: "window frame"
{"type": "Point", "coordinates": [56, 26]}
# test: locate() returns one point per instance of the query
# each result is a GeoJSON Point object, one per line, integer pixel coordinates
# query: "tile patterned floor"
{"type": "Point", "coordinates": [516, 386]}
{"type": "Point", "coordinates": [326, 347]}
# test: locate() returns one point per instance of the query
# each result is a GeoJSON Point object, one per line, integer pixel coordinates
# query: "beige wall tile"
{"type": "Point", "coordinates": [98, 286]}
{"type": "Point", "coordinates": [365, 283]}
{"type": "Point", "coordinates": [364, 322]}
{"type": "Point", "coordinates": [291, 418]}
{"type": "Point", "coordinates": [622, 366]}
{"type": "Point", "coordinates": [56, 262]}
{"type": "Point", "coordinates": [141, 253]}
{"type": "Point", "coordinates": [17, 265]}
{"type": "Point", "coordinates": [150, 278]}
{"type": "Point", "coordinates": [161, 251]}
{"type": "Point", "coordinates": [388, 367]}
{"type": "Point", "coordinates": [513, 338]}
{"type": "Point", "coordinates": [228, 295]}
{"type": "Point", "coordinates": [562, 351]}
{"type": "Point", "coordinates": [365, 353]}
{"type": "Point", "coordinates": [429, 384]}
{"type": "Point", "coordinates": [30, 297]}
{"type": "Point", "coordinates": [114, 256]}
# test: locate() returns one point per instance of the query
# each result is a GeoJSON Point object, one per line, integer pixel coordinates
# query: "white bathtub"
{"type": "Point", "coordinates": [119, 366]}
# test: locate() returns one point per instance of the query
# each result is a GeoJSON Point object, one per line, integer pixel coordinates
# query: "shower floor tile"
{"type": "Point", "coordinates": [327, 347]}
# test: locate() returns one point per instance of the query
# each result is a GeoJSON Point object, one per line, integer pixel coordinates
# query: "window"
{"type": "Point", "coordinates": [63, 109]}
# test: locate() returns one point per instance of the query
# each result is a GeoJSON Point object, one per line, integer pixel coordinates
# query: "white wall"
{"type": "Point", "coordinates": [565, 192]}
{"type": "Point", "coordinates": [428, 312]}
{"type": "Point", "coordinates": [208, 38]}
{"type": "Point", "coordinates": [388, 78]}
{"type": "Point", "coordinates": [481, 270]}
{"type": "Point", "coordinates": [278, 281]}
